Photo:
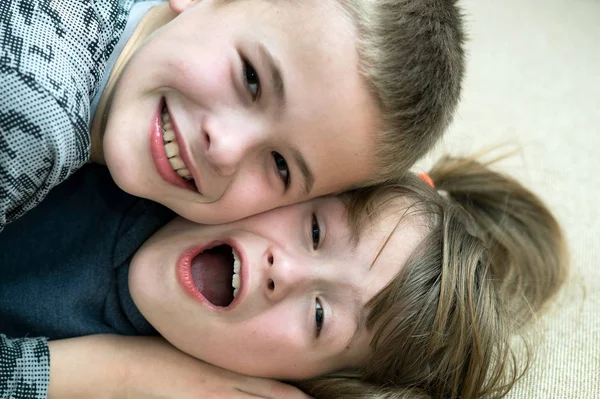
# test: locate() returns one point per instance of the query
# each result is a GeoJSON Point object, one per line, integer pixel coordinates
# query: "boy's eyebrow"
{"type": "Point", "coordinates": [276, 76]}
{"type": "Point", "coordinates": [277, 80]}
{"type": "Point", "coordinates": [307, 175]}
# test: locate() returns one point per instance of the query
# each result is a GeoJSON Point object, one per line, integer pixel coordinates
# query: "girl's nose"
{"type": "Point", "coordinates": [285, 274]}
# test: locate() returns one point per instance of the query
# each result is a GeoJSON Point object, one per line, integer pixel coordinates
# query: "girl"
{"type": "Point", "coordinates": [399, 291]}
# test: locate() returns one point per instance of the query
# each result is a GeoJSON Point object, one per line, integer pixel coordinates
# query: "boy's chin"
{"type": "Point", "coordinates": [127, 179]}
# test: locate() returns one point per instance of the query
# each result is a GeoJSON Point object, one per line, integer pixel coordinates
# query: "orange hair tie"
{"type": "Point", "coordinates": [427, 179]}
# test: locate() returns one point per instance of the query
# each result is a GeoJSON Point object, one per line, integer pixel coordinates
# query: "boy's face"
{"type": "Point", "coordinates": [259, 102]}
{"type": "Point", "coordinates": [301, 287]}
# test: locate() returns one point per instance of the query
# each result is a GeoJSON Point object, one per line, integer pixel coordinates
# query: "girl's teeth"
{"type": "Point", "coordinates": [236, 262]}
{"type": "Point", "coordinates": [235, 280]}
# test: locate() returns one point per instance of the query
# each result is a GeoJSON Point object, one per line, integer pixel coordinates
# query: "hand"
{"type": "Point", "coordinates": [111, 366]}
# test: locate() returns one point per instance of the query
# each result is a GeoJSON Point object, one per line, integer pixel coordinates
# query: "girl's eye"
{"type": "Point", "coordinates": [252, 80]}
{"type": "Point", "coordinates": [315, 232]}
{"type": "Point", "coordinates": [319, 317]}
{"type": "Point", "coordinates": [282, 168]}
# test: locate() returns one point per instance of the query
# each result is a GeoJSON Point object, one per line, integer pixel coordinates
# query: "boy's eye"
{"type": "Point", "coordinates": [319, 317]}
{"type": "Point", "coordinates": [282, 168]}
{"type": "Point", "coordinates": [316, 232]}
{"type": "Point", "coordinates": [251, 79]}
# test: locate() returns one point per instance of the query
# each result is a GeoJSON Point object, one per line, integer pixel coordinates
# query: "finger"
{"type": "Point", "coordinates": [270, 389]}
{"type": "Point", "coordinates": [246, 395]}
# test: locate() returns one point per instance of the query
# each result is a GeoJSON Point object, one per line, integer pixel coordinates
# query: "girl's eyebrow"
{"type": "Point", "coordinates": [358, 313]}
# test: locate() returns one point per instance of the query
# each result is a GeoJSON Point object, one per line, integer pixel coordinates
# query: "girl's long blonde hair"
{"type": "Point", "coordinates": [493, 257]}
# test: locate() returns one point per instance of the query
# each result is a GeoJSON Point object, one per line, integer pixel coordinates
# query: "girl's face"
{"type": "Point", "coordinates": [301, 286]}
{"type": "Point", "coordinates": [237, 107]}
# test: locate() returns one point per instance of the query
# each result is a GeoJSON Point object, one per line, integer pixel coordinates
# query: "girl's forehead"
{"type": "Point", "coordinates": [391, 239]}
{"type": "Point", "coordinates": [384, 249]}
{"type": "Point", "coordinates": [378, 210]}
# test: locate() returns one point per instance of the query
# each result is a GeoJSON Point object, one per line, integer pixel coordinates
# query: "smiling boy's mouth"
{"type": "Point", "coordinates": [172, 147]}
{"type": "Point", "coordinates": [215, 273]}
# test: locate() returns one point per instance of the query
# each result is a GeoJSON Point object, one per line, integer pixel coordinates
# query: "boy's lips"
{"type": "Point", "coordinates": [188, 273]}
{"type": "Point", "coordinates": [176, 170]}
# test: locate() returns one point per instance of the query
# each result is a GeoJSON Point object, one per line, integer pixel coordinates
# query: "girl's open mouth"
{"type": "Point", "coordinates": [213, 274]}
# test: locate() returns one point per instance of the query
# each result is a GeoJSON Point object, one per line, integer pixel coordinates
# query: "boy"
{"type": "Point", "coordinates": [222, 109]}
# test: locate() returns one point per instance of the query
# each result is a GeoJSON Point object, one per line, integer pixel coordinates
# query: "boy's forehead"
{"type": "Point", "coordinates": [310, 12]}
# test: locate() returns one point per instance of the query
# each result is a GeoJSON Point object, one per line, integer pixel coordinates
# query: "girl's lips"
{"type": "Point", "coordinates": [184, 274]}
{"type": "Point", "coordinates": [159, 155]}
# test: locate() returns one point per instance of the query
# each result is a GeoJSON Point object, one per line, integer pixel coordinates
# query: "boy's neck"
{"type": "Point", "coordinates": [154, 19]}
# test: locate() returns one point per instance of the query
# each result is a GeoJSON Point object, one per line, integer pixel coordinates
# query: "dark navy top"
{"type": "Point", "coordinates": [64, 265]}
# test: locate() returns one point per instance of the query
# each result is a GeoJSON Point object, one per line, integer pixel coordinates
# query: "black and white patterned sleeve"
{"type": "Point", "coordinates": [52, 59]}
{"type": "Point", "coordinates": [24, 368]}
{"type": "Point", "coordinates": [39, 144]}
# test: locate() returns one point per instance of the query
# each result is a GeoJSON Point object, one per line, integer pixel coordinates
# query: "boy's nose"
{"type": "Point", "coordinates": [224, 153]}
{"type": "Point", "coordinates": [226, 146]}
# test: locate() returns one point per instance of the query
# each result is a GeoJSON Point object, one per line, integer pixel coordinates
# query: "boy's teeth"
{"type": "Point", "coordinates": [184, 173]}
{"type": "Point", "coordinates": [172, 148]}
{"type": "Point", "coordinates": [168, 135]}
{"type": "Point", "coordinates": [235, 280]}
{"type": "Point", "coordinates": [176, 163]}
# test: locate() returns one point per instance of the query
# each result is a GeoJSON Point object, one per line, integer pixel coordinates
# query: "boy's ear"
{"type": "Point", "coordinates": [179, 6]}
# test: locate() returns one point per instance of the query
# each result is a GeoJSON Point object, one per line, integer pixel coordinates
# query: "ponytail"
{"type": "Point", "coordinates": [524, 241]}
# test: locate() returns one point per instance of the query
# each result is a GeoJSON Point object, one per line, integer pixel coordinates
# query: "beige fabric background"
{"type": "Point", "coordinates": [534, 77]}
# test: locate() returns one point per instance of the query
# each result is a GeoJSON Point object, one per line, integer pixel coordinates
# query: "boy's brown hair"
{"type": "Point", "coordinates": [412, 59]}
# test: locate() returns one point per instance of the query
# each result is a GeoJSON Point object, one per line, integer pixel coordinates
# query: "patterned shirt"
{"type": "Point", "coordinates": [53, 58]}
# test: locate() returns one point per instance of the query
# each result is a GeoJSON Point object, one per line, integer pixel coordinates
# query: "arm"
{"type": "Point", "coordinates": [40, 144]}
{"type": "Point", "coordinates": [110, 366]}
{"type": "Point", "coordinates": [24, 367]}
